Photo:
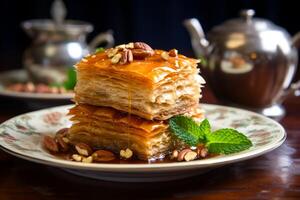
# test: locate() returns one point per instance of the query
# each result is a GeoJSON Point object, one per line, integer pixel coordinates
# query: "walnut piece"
{"type": "Point", "coordinates": [126, 153]}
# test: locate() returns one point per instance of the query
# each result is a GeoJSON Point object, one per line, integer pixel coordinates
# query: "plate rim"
{"type": "Point", "coordinates": [23, 95]}
{"type": "Point", "coordinates": [105, 167]}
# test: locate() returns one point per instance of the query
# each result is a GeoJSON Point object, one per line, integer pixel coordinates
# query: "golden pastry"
{"type": "Point", "coordinates": [107, 128]}
{"type": "Point", "coordinates": [154, 85]}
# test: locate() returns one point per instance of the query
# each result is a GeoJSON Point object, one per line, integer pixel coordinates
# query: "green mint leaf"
{"type": "Point", "coordinates": [70, 83]}
{"type": "Point", "coordinates": [205, 127]}
{"type": "Point", "coordinates": [186, 129]}
{"type": "Point", "coordinates": [99, 50]}
{"type": "Point", "coordinates": [227, 141]}
{"type": "Point", "coordinates": [203, 61]}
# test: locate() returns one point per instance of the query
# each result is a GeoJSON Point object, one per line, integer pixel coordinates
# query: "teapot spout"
{"type": "Point", "coordinates": [199, 43]}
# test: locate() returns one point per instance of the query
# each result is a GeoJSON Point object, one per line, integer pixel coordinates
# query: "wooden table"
{"type": "Point", "coordinates": [275, 175]}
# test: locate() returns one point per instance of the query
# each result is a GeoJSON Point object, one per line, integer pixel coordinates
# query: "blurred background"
{"type": "Point", "coordinates": [158, 23]}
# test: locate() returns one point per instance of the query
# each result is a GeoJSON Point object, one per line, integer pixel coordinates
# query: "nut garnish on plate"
{"type": "Point", "coordinates": [103, 156]}
{"type": "Point", "coordinates": [50, 144]}
{"type": "Point", "coordinates": [77, 157]}
{"type": "Point", "coordinates": [126, 153]}
{"type": "Point", "coordinates": [83, 149]}
{"type": "Point", "coordinates": [190, 156]}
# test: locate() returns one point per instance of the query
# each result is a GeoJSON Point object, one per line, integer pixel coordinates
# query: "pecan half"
{"type": "Point", "coordinates": [62, 144]}
{"type": "Point", "coordinates": [142, 50]}
{"type": "Point", "coordinates": [140, 54]}
{"type": "Point", "coordinates": [173, 53]}
{"type": "Point", "coordinates": [50, 144]}
{"type": "Point", "coordinates": [103, 156]}
{"type": "Point", "coordinates": [202, 151]}
{"type": "Point", "coordinates": [142, 45]}
{"type": "Point", "coordinates": [62, 132]}
{"type": "Point", "coordinates": [126, 57]}
{"type": "Point", "coordinates": [182, 153]}
{"type": "Point", "coordinates": [83, 149]}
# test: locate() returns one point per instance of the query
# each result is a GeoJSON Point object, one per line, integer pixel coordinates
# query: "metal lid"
{"type": "Point", "coordinates": [68, 26]}
{"type": "Point", "coordinates": [246, 24]}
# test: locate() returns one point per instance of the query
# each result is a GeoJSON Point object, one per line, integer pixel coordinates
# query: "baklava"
{"type": "Point", "coordinates": [158, 86]}
{"type": "Point", "coordinates": [125, 95]}
{"type": "Point", "coordinates": [110, 129]}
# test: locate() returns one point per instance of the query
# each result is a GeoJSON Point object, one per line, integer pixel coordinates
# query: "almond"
{"type": "Point", "coordinates": [83, 149]}
{"type": "Point", "coordinates": [50, 144]}
{"type": "Point", "coordinates": [103, 156]}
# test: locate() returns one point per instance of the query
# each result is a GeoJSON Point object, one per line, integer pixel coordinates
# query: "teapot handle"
{"type": "Point", "coordinates": [294, 88]}
{"type": "Point", "coordinates": [106, 37]}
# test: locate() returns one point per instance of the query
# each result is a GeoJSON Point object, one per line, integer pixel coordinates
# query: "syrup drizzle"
{"type": "Point", "coordinates": [129, 92]}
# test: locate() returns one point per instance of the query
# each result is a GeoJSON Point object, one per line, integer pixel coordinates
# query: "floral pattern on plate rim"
{"type": "Point", "coordinates": [23, 133]}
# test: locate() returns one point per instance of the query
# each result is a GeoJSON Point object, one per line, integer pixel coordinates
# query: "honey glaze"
{"type": "Point", "coordinates": [148, 67]}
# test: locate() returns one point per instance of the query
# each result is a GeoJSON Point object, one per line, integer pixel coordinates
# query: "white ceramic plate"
{"type": "Point", "coordinates": [21, 136]}
{"type": "Point", "coordinates": [16, 76]}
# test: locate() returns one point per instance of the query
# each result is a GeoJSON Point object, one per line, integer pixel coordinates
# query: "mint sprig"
{"type": "Point", "coordinates": [226, 141]}
{"type": "Point", "coordinates": [222, 141]}
{"type": "Point", "coordinates": [186, 130]}
{"type": "Point", "coordinates": [99, 50]}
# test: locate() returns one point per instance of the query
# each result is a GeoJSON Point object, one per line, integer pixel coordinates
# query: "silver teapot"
{"type": "Point", "coordinates": [248, 62]}
{"type": "Point", "coordinates": [57, 44]}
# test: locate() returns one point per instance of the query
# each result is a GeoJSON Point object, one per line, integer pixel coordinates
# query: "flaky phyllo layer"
{"type": "Point", "coordinates": [107, 128]}
{"type": "Point", "coordinates": [152, 88]}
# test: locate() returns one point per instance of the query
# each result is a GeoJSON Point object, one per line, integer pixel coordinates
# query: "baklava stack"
{"type": "Point", "coordinates": [125, 96]}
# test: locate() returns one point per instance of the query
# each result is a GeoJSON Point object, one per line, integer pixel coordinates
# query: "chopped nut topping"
{"type": "Point", "coordinates": [103, 156]}
{"type": "Point", "coordinates": [173, 53]}
{"type": "Point", "coordinates": [66, 140]}
{"type": "Point", "coordinates": [182, 153]}
{"type": "Point", "coordinates": [126, 153]}
{"type": "Point", "coordinates": [50, 144]}
{"type": "Point", "coordinates": [83, 149]}
{"type": "Point", "coordinates": [174, 154]}
{"type": "Point", "coordinates": [116, 58]}
{"type": "Point", "coordinates": [165, 55]}
{"type": "Point", "coordinates": [129, 45]}
{"type": "Point", "coordinates": [121, 46]}
{"type": "Point", "coordinates": [125, 53]}
{"type": "Point", "coordinates": [87, 160]}
{"type": "Point", "coordinates": [112, 52]}
{"type": "Point", "coordinates": [190, 156]}
{"type": "Point", "coordinates": [77, 157]}
{"type": "Point", "coordinates": [126, 56]}
{"type": "Point", "coordinates": [202, 151]}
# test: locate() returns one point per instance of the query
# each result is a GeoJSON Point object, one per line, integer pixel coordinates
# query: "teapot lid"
{"type": "Point", "coordinates": [68, 26]}
{"type": "Point", "coordinates": [246, 24]}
